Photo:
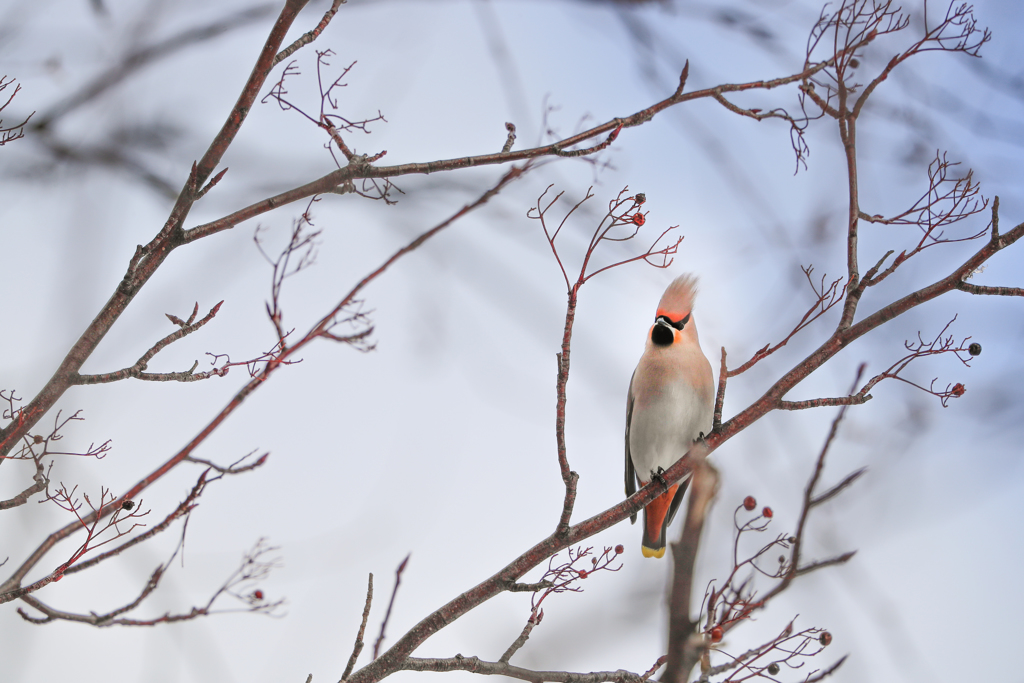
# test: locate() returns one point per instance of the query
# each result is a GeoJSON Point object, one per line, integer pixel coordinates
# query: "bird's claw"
{"type": "Point", "coordinates": [660, 476]}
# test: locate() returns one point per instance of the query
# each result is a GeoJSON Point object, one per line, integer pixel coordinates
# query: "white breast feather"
{"type": "Point", "coordinates": [670, 413]}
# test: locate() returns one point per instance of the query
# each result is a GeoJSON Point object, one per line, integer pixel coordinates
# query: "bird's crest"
{"type": "Point", "coordinates": [677, 301]}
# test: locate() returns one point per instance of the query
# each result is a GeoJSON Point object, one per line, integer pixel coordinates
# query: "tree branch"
{"type": "Point", "coordinates": [479, 666]}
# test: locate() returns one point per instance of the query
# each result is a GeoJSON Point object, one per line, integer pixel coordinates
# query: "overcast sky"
{"type": "Point", "coordinates": [440, 442]}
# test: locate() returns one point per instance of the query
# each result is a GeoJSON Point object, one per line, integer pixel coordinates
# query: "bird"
{"type": "Point", "coordinates": [669, 406]}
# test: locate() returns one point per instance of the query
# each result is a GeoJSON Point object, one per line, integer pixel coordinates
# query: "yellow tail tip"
{"type": "Point", "coordinates": [651, 552]}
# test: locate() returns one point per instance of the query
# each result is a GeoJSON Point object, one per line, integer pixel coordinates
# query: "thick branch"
{"type": "Point", "coordinates": [685, 646]}
{"type": "Point", "coordinates": [149, 258]}
{"type": "Point", "coordinates": [11, 589]}
{"type": "Point", "coordinates": [359, 169]}
{"type": "Point", "coordinates": [479, 666]}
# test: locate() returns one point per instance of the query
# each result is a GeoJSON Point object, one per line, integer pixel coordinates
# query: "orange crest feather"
{"type": "Point", "coordinates": [677, 301]}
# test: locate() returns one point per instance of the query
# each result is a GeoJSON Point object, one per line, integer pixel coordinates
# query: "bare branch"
{"type": "Point", "coordinates": [138, 370]}
{"type": "Point", "coordinates": [309, 36]}
{"type": "Point", "coordinates": [358, 647]}
{"type": "Point", "coordinates": [360, 168]}
{"type": "Point", "coordinates": [827, 297]}
{"type": "Point", "coordinates": [685, 647]}
{"type": "Point", "coordinates": [479, 666]}
{"type": "Point", "coordinates": [41, 482]}
{"type": "Point", "coordinates": [533, 621]}
{"type": "Point", "coordinates": [391, 603]}
{"type": "Point", "coordinates": [723, 377]}
{"type": "Point", "coordinates": [152, 255]}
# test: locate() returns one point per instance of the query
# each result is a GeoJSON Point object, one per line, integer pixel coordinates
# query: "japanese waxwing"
{"type": "Point", "coordinates": [670, 405]}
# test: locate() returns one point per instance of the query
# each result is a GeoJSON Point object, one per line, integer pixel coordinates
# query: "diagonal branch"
{"type": "Point", "coordinates": [12, 589]}
{"type": "Point", "coordinates": [391, 603]}
{"type": "Point", "coordinates": [359, 169]}
{"type": "Point", "coordinates": [147, 259]}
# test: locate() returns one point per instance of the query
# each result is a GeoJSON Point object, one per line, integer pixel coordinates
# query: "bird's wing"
{"type": "Point", "coordinates": [676, 500]}
{"type": "Point", "coordinates": [630, 471]}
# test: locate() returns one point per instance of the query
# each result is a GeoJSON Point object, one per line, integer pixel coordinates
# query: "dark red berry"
{"type": "Point", "coordinates": [958, 390]}
{"type": "Point", "coordinates": [767, 512]}
{"type": "Point", "coordinates": [583, 573]}
{"type": "Point", "coordinates": [825, 638]}
{"type": "Point", "coordinates": [749, 503]}
{"type": "Point", "coordinates": [638, 219]}
{"type": "Point", "coordinates": [619, 549]}
{"type": "Point", "coordinates": [716, 634]}
{"type": "Point", "coordinates": [258, 594]}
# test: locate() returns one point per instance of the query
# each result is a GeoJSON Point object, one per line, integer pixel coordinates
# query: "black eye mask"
{"type": "Point", "coordinates": [668, 321]}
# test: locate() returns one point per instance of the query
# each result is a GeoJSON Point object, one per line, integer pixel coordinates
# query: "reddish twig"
{"type": "Point", "coordinates": [391, 603]}
{"type": "Point", "coordinates": [254, 567]}
{"type": "Point", "coordinates": [361, 168]}
{"type": "Point", "coordinates": [826, 298]}
{"type": "Point", "coordinates": [564, 577]}
{"type": "Point", "coordinates": [149, 257]}
{"type": "Point", "coordinates": [623, 212]}
{"type": "Point", "coordinates": [12, 589]}
{"type": "Point", "coordinates": [17, 131]}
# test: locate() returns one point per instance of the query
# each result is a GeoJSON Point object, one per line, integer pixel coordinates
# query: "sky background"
{"type": "Point", "coordinates": [440, 442]}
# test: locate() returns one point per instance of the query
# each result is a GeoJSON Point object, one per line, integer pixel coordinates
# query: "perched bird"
{"type": "Point", "coordinates": [670, 405]}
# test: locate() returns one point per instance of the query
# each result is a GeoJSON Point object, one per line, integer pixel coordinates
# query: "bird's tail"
{"type": "Point", "coordinates": [658, 516]}
{"type": "Point", "coordinates": [656, 520]}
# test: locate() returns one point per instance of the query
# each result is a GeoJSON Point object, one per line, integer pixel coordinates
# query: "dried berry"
{"type": "Point", "coordinates": [638, 219]}
{"type": "Point", "coordinates": [39, 439]}
{"type": "Point", "coordinates": [825, 638]}
{"type": "Point", "coordinates": [974, 349]}
{"type": "Point", "coordinates": [128, 505]}
{"type": "Point", "coordinates": [619, 549]}
{"type": "Point", "coordinates": [957, 390]}
{"type": "Point", "coordinates": [773, 668]}
{"type": "Point", "coordinates": [583, 573]}
{"type": "Point", "coordinates": [767, 512]}
{"type": "Point", "coordinates": [749, 503]}
{"type": "Point", "coordinates": [716, 634]}
{"type": "Point", "coordinates": [854, 63]}
{"type": "Point", "coordinates": [640, 198]}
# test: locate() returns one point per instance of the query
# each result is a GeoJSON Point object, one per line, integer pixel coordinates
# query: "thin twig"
{"type": "Point", "coordinates": [391, 603]}
{"type": "Point", "coordinates": [358, 647]}
{"type": "Point", "coordinates": [533, 621]}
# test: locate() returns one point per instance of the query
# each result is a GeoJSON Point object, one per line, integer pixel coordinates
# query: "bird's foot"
{"type": "Point", "coordinates": [660, 476]}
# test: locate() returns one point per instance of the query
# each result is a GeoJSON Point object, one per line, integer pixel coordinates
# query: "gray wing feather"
{"type": "Point", "coordinates": [630, 472]}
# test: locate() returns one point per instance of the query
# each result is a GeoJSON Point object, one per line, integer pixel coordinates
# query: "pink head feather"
{"type": "Point", "coordinates": [677, 301]}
